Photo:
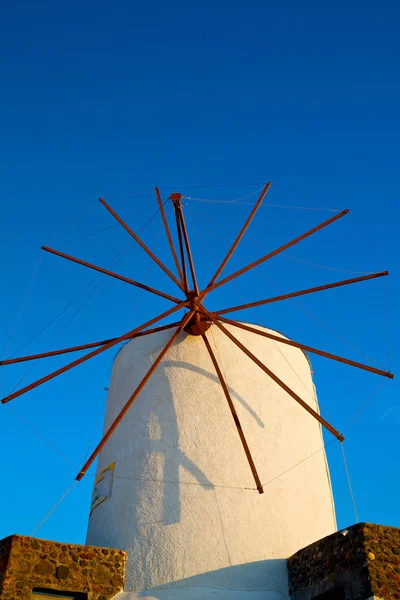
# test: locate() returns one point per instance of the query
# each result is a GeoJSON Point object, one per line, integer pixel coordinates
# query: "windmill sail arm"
{"type": "Point", "coordinates": [12, 361]}
{"type": "Point", "coordinates": [234, 414]}
{"type": "Point", "coordinates": [312, 290]}
{"type": "Point", "coordinates": [240, 235]}
{"type": "Point", "coordinates": [111, 274]}
{"type": "Point", "coordinates": [86, 357]}
{"type": "Point", "coordinates": [283, 340]}
{"type": "Point", "coordinates": [141, 244]}
{"type": "Point", "coordinates": [169, 237]}
{"type": "Point", "coordinates": [133, 397]}
{"type": "Point", "coordinates": [275, 252]}
{"type": "Point", "coordinates": [274, 377]}
{"type": "Point", "coordinates": [181, 220]}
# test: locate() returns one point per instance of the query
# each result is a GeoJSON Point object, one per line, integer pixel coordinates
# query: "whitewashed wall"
{"type": "Point", "coordinates": [207, 534]}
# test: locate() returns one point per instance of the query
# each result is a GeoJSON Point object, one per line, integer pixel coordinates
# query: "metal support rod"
{"type": "Point", "coordinates": [141, 244]}
{"type": "Point", "coordinates": [187, 244]}
{"type": "Point", "coordinates": [12, 361]}
{"type": "Point", "coordinates": [234, 415]}
{"type": "Point", "coordinates": [181, 250]}
{"type": "Point", "coordinates": [282, 340]}
{"type": "Point", "coordinates": [133, 397]}
{"type": "Point", "coordinates": [167, 231]}
{"type": "Point", "coordinates": [274, 253]}
{"type": "Point", "coordinates": [274, 377]}
{"type": "Point", "coordinates": [111, 274]}
{"type": "Point", "coordinates": [319, 288]}
{"type": "Point", "coordinates": [94, 353]}
{"type": "Point", "coordinates": [240, 235]}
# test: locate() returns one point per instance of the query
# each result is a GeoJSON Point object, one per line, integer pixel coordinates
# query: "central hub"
{"type": "Point", "coordinates": [199, 323]}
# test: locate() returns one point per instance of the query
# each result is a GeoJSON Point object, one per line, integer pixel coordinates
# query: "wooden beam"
{"type": "Point", "coordinates": [187, 244]}
{"type": "Point", "coordinates": [169, 237]}
{"type": "Point", "coordinates": [272, 375]}
{"type": "Point", "coordinates": [133, 397]}
{"type": "Point", "coordinates": [141, 244]}
{"type": "Point", "coordinates": [181, 250]}
{"type": "Point", "coordinates": [281, 340]}
{"type": "Point", "coordinates": [312, 290]}
{"type": "Point", "coordinates": [274, 253]}
{"type": "Point", "coordinates": [111, 274]}
{"type": "Point", "coordinates": [12, 361]}
{"type": "Point", "coordinates": [82, 359]}
{"type": "Point", "coordinates": [240, 235]}
{"type": "Point", "coordinates": [234, 415]}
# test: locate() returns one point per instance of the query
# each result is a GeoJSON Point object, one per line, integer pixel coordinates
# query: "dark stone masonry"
{"type": "Point", "coordinates": [28, 564]}
{"type": "Point", "coordinates": [357, 563]}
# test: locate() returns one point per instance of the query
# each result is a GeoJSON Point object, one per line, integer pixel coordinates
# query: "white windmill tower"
{"type": "Point", "coordinates": [180, 474]}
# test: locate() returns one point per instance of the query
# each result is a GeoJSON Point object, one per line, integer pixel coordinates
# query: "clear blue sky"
{"type": "Point", "coordinates": [111, 99]}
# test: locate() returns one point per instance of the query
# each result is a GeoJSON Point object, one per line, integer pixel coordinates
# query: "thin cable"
{"type": "Point", "coordinates": [301, 307]}
{"type": "Point", "coordinates": [54, 507]}
{"type": "Point", "coordinates": [225, 201]}
{"type": "Point", "coordinates": [238, 291]}
{"type": "Point", "coordinates": [206, 201]}
{"type": "Point", "coordinates": [226, 185]}
{"type": "Point", "coordinates": [146, 273]}
{"type": "Point", "coordinates": [364, 405]}
{"type": "Point", "coordinates": [115, 260]}
{"type": "Point", "coordinates": [305, 195]}
{"type": "Point", "coordinates": [120, 255]}
{"type": "Point", "coordinates": [300, 462]}
{"type": "Point", "coordinates": [386, 303]}
{"type": "Point", "coordinates": [53, 319]}
{"type": "Point", "coordinates": [312, 396]}
{"type": "Point", "coordinates": [349, 482]}
{"type": "Point", "coordinates": [150, 480]}
{"type": "Point", "coordinates": [305, 262]}
{"type": "Point", "coordinates": [288, 257]}
{"type": "Point", "coordinates": [93, 435]}
{"type": "Point", "coordinates": [84, 237]}
{"type": "Point", "coordinates": [88, 209]}
{"type": "Point", "coordinates": [370, 249]}
{"type": "Point", "coordinates": [140, 291]}
{"type": "Point", "coordinates": [24, 302]}
{"type": "Point", "coordinates": [43, 437]}
{"type": "Point", "coordinates": [128, 197]}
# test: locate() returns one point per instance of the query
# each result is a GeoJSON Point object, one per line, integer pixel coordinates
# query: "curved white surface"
{"type": "Point", "coordinates": [179, 506]}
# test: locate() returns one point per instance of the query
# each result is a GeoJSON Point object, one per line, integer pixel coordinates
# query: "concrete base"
{"type": "Point", "coordinates": [200, 593]}
{"type": "Point", "coordinates": [236, 582]}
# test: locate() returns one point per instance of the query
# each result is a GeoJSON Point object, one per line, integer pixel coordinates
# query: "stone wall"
{"type": "Point", "coordinates": [27, 563]}
{"type": "Point", "coordinates": [363, 560]}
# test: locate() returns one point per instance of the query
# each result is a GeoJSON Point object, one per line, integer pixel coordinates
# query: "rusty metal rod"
{"type": "Point", "coordinates": [240, 235]}
{"type": "Point", "coordinates": [94, 353]}
{"type": "Point", "coordinates": [274, 377]}
{"type": "Point", "coordinates": [141, 244]}
{"type": "Point", "coordinates": [274, 253]}
{"type": "Point", "coordinates": [111, 274]}
{"type": "Point", "coordinates": [319, 288]}
{"type": "Point", "coordinates": [133, 397]}
{"type": "Point", "coordinates": [167, 231]}
{"type": "Point", "coordinates": [12, 361]}
{"type": "Point", "coordinates": [187, 244]}
{"type": "Point", "coordinates": [276, 338]}
{"type": "Point", "coordinates": [234, 414]}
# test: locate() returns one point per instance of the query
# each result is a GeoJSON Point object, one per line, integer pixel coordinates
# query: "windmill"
{"type": "Point", "coordinates": [205, 533]}
{"type": "Point", "coordinates": [198, 319]}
